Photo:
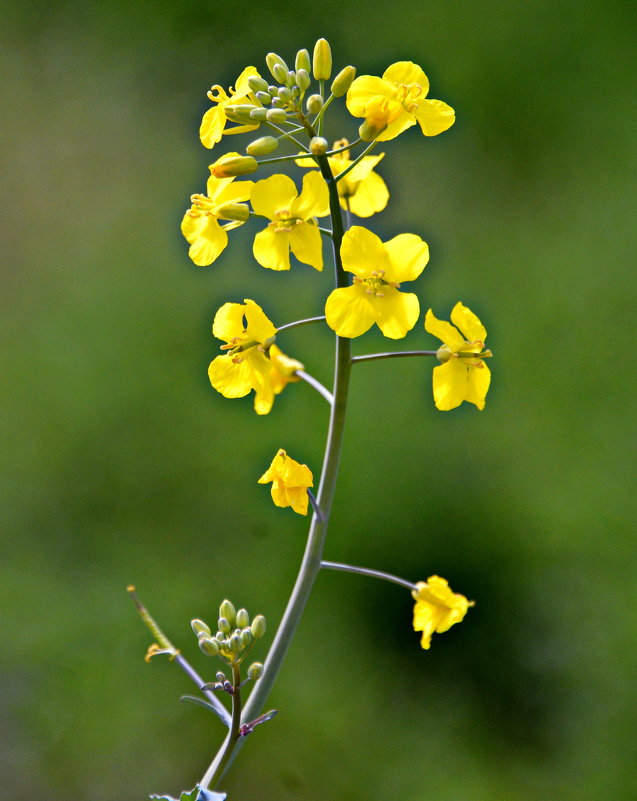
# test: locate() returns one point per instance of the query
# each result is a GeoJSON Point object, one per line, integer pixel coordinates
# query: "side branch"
{"type": "Point", "coordinates": [366, 571]}
{"type": "Point", "coordinates": [372, 357]}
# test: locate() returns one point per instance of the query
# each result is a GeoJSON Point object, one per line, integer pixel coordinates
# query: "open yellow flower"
{"type": "Point", "coordinates": [378, 270]}
{"type": "Point", "coordinates": [399, 99]}
{"type": "Point", "coordinates": [362, 190]}
{"type": "Point", "coordinates": [462, 375]}
{"type": "Point", "coordinates": [282, 372]}
{"type": "Point", "coordinates": [290, 482]}
{"type": "Point", "coordinates": [293, 225]}
{"type": "Point", "coordinates": [247, 333]}
{"type": "Point", "coordinates": [200, 225]}
{"type": "Point", "coordinates": [437, 608]}
{"type": "Point", "coordinates": [214, 120]}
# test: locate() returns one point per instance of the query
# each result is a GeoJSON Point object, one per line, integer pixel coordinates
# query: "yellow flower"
{"type": "Point", "coordinates": [282, 372]}
{"type": "Point", "coordinates": [290, 481]}
{"type": "Point", "coordinates": [200, 224]}
{"type": "Point", "coordinates": [362, 191]}
{"type": "Point", "coordinates": [399, 100]}
{"type": "Point", "coordinates": [462, 375]}
{"type": "Point", "coordinates": [292, 225]}
{"type": "Point", "coordinates": [378, 269]}
{"type": "Point", "coordinates": [437, 608]}
{"type": "Point", "coordinates": [247, 333]}
{"type": "Point", "coordinates": [214, 120]}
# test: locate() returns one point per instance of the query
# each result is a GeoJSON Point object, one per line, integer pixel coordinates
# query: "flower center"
{"type": "Point", "coordinates": [283, 222]}
{"type": "Point", "coordinates": [375, 283]}
{"type": "Point", "coordinates": [409, 95]}
{"type": "Point", "coordinates": [472, 352]}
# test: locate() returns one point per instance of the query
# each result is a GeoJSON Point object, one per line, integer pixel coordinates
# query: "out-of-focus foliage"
{"type": "Point", "coordinates": [120, 463]}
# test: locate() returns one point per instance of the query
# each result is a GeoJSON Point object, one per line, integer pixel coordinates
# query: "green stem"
{"type": "Point", "coordinates": [366, 571]}
{"type": "Point", "coordinates": [372, 357]}
{"type": "Point", "coordinates": [319, 117]}
{"type": "Point", "coordinates": [298, 323]}
{"type": "Point", "coordinates": [367, 150]}
{"type": "Point", "coordinates": [315, 384]}
{"type": "Point", "coordinates": [235, 728]}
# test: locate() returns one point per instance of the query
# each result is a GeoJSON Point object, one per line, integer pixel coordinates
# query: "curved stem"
{"type": "Point", "coordinates": [367, 150]}
{"type": "Point", "coordinates": [297, 323]}
{"type": "Point", "coordinates": [372, 357]}
{"type": "Point", "coordinates": [366, 571]}
{"type": "Point", "coordinates": [315, 384]}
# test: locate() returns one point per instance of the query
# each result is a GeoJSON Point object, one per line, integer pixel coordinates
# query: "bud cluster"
{"type": "Point", "coordinates": [235, 634]}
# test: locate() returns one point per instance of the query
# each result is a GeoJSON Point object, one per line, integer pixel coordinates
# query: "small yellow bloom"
{"type": "Point", "coordinates": [293, 225]}
{"type": "Point", "coordinates": [247, 333]}
{"type": "Point", "coordinates": [398, 100]}
{"type": "Point", "coordinates": [437, 608]}
{"type": "Point", "coordinates": [214, 120]}
{"type": "Point", "coordinates": [200, 224]}
{"type": "Point", "coordinates": [378, 269]}
{"type": "Point", "coordinates": [462, 375]}
{"type": "Point", "coordinates": [362, 190]}
{"type": "Point", "coordinates": [282, 372]}
{"type": "Point", "coordinates": [290, 482]}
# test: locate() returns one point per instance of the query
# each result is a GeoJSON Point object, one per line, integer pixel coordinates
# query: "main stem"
{"type": "Point", "coordinates": [311, 563]}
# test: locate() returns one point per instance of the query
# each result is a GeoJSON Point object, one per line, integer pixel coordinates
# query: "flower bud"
{"type": "Point", "coordinates": [285, 94]}
{"type": "Point", "coordinates": [322, 60]}
{"type": "Point", "coordinates": [219, 636]}
{"type": "Point", "coordinates": [235, 643]}
{"type": "Point", "coordinates": [258, 627]}
{"type": "Point", "coordinates": [220, 675]}
{"type": "Point", "coordinates": [228, 611]}
{"type": "Point", "coordinates": [259, 114]}
{"type": "Point", "coordinates": [246, 637]}
{"type": "Point", "coordinates": [261, 147]}
{"type": "Point", "coordinates": [290, 79]}
{"type": "Point", "coordinates": [314, 104]}
{"type": "Point", "coordinates": [257, 84]}
{"type": "Point", "coordinates": [273, 91]}
{"type": "Point", "coordinates": [239, 212]}
{"type": "Point", "coordinates": [272, 60]}
{"type": "Point", "coordinates": [443, 354]}
{"type": "Point", "coordinates": [302, 62]}
{"type": "Point", "coordinates": [230, 166]}
{"type": "Point", "coordinates": [277, 102]}
{"type": "Point", "coordinates": [318, 145]}
{"type": "Point", "coordinates": [208, 646]}
{"type": "Point", "coordinates": [276, 115]}
{"type": "Point", "coordinates": [199, 627]}
{"type": "Point", "coordinates": [264, 97]}
{"type": "Point", "coordinates": [224, 625]}
{"type": "Point", "coordinates": [239, 113]}
{"type": "Point", "coordinates": [303, 79]}
{"type": "Point", "coordinates": [280, 73]}
{"type": "Point", "coordinates": [255, 671]}
{"type": "Point", "coordinates": [243, 618]}
{"type": "Point", "coordinates": [343, 81]}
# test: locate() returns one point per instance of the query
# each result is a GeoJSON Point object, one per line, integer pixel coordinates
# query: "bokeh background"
{"type": "Point", "coordinates": [121, 464]}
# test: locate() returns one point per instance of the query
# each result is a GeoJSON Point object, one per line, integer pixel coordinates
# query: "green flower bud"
{"type": "Point", "coordinates": [303, 79]}
{"type": "Point", "coordinates": [273, 91]}
{"type": "Point", "coordinates": [257, 84]}
{"type": "Point", "coordinates": [280, 73]}
{"type": "Point", "coordinates": [278, 103]}
{"type": "Point", "coordinates": [318, 145]}
{"type": "Point", "coordinates": [234, 165]}
{"type": "Point", "coordinates": [235, 643]}
{"type": "Point", "coordinates": [343, 81]}
{"type": "Point", "coordinates": [368, 131]}
{"type": "Point", "coordinates": [209, 646]}
{"type": "Point", "coordinates": [322, 60]}
{"type": "Point", "coordinates": [314, 104]}
{"type": "Point", "coordinates": [290, 79]}
{"type": "Point", "coordinates": [220, 675]}
{"type": "Point", "coordinates": [272, 60]}
{"type": "Point", "coordinates": [239, 113]}
{"type": "Point", "coordinates": [224, 625]}
{"type": "Point", "coordinates": [276, 115]}
{"type": "Point", "coordinates": [258, 627]}
{"type": "Point", "coordinates": [258, 114]}
{"type": "Point", "coordinates": [243, 618]}
{"type": "Point", "coordinates": [255, 671]}
{"type": "Point", "coordinates": [246, 637]}
{"type": "Point", "coordinates": [302, 61]}
{"type": "Point", "coordinates": [260, 147]}
{"type": "Point", "coordinates": [285, 94]}
{"type": "Point", "coordinates": [199, 627]}
{"type": "Point", "coordinates": [264, 97]}
{"type": "Point", "coordinates": [238, 212]}
{"type": "Point", "coordinates": [228, 611]}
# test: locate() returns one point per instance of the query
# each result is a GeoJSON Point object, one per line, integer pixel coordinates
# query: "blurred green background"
{"type": "Point", "coordinates": [121, 464]}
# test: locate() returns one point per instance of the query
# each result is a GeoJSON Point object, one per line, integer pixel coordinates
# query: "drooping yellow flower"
{"type": "Point", "coordinates": [214, 120]}
{"type": "Point", "coordinates": [399, 100]}
{"type": "Point", "coordinates": [378, 269]}
{"type": "Point", "coordinates": [200, 224]}
{"type": "Point", "coordinates": [290, 482]}
{"type": "Point", "coordinates": [462, 375]}
{"type": "Point", "coordinates": [282, 372]}
{"type": "Point", "coordinates": [362, 190]}
{"type": "Point", "coordinates": [247, 333]}
{"type": "Point", "coordinates": [293, 225]}
{"type": "Point", "coordinates": [437, 608]}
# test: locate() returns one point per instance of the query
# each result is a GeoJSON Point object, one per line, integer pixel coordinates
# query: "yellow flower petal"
{"type": "Point", "coordinates": [444, 331]}
{"type": "Point", "coordinates": [306, 244]}
{"type": "Point", "coordinates": [434, 116]}
{"type": "Point", "coordinates": [272, 249]}
{"type": "Point", "coordinates": [371, 196]}
{"type": "Point", "coordinates": [450, 384]}
{"type": "Point", "coordinates": [259, 328]}
{"type": "Point", "coordinates": [408, 257]}
{"type": "Point", "coordinates": [406, 72]}
{"type": "Point", "coordinates": [396, 312]}
{"type": "Point", "coordinates": [273, 194]}
{"type": "Point", "coordinates": [362, 252]}
{"type": "Point", "coordinates": [314, 200]}
{"type": "Point", "coordinates": [207, 238]}
{"type": "Point", "coordinates": [362, 169]}
{"type": "Point", "coordinates": [212, 125]}
{"type": "Point", "coordinates": [290, 482]}
{"type": "Point", "coordinates": [231, 379]}
{"type": "Point", "coordinates": [236, 192]}
{"type": "Point", "coordinates": [350, 311]}
{"type": "Point", "coordinates": [363, 89]}
{"type": "Point", "coordinates": [228, 322]}
{"type": "Point", "coordinates": [468, 323]}
{"type": "Point", "coordinates": [400, 124]}
{"type": "Point", "coordinates": [478, 381]}
{"type": "Point", "coordinates": [242, 88]}
{"type": "Point", "coordinates": [437, 608]}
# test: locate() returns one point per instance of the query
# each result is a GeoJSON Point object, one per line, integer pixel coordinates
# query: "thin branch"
{"type": "Point", "coordinates": [362, 155]}
{"type": "Point", "coordinates": [298, 323]}
{"type": "Point", "coordinates": [371, 357]}
{"type": "Point", "coordinates": [366, 571]}
{"type": "Point", "coordinates": [315, 384]}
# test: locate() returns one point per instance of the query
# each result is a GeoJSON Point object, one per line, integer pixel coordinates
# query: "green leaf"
{"type": "Point", "coordinates": [196, 794]}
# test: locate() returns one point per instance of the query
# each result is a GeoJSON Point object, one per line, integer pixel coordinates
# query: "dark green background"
{"type": "Point", "coordinates": [120, 464]}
